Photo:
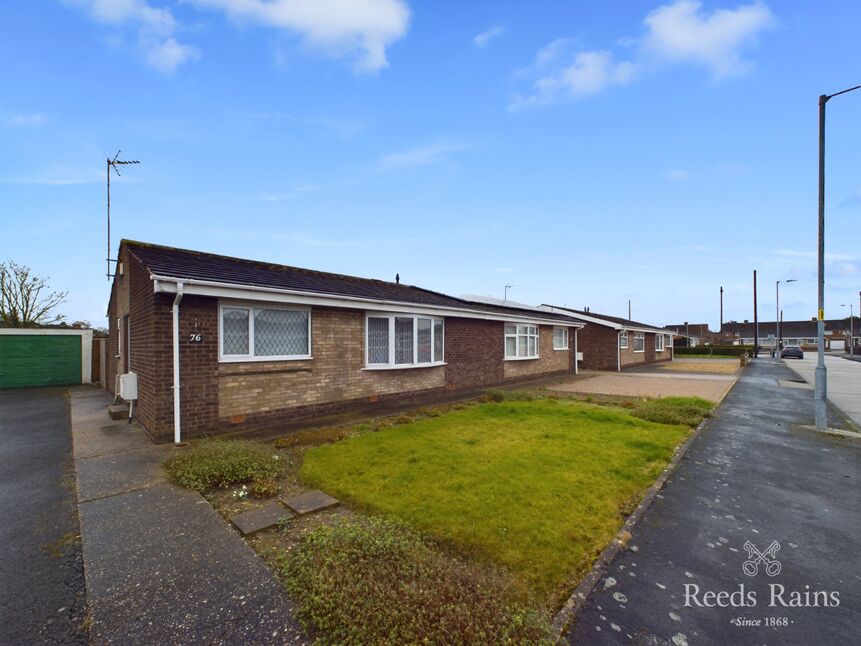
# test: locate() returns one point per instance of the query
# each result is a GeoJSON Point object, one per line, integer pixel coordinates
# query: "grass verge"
{"type": "Point", "coordinates": [689, 411]}
{"type": "Point", "coordinates": [376, 581]}
{"type": "Point", "coordinates": [539, 487]}
{"type": "Point", "coordinates": [221, 463]}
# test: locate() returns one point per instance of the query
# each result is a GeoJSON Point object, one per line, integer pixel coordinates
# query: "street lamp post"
{"type": "Point", "coordinates": [851, 330]}
{"type": "Point", "coordinates": [821, 388]}
{"type": "Point", "coordinates": [777, 330]}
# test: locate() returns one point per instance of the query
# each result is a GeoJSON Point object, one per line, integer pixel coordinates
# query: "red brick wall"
{"type": "Point", "coordinates": [598, 345]}
{"type": "Point", "coordinates": [474, 352]}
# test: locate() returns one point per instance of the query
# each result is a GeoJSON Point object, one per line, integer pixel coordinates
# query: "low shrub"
{"type": "Point", "coordinates": [716, 350]}
{"type": "Point", "coordinates": [312, 437]}
{"type": "Point", "coordinates": [221, 463]}
{"type": "Point", "coordinates": [688, 411]}
{"type": "Point", "coordinates": [263, 488]}
{"type": "Point", "coordinates": [377, 582]}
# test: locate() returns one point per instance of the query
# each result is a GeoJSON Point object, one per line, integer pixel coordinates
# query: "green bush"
{"type": "Point", "coordinates": [688, 411]}
{"type": "Point", "coordinates": [378, 582]}
{"type": "Point", "coordinates": [221, 463]}
{"type": "Point", "coordinates": [720, 350]}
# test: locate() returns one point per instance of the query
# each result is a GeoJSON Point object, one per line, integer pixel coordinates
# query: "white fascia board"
{"type": "Point", "coordinates": [167, 285]}
{"type": "Point", "coordinates": [30, 331]}
{"type": "Point", "coordinates": [645, 329]}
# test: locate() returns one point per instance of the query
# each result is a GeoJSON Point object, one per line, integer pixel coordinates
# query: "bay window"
{"type": "Point", "coordinates": [264, 333]}
{"type": "Point", "coordinates": [521, 341]}
{"type": "Point", "coordinates": [403, 340]}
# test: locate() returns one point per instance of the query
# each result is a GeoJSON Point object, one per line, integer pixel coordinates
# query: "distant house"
{"type": "Point", "coordinates": [217, 343]}
{"type": "Point", "coordinates": [692, 334]}
{"type": "Point", "coordinates": [800, 333]}
{"type": "Point", "coordinates": [613, 343]}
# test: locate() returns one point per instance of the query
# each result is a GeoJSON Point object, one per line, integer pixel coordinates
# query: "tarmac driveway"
{"type": "Point", "coordinates": [42, 596]}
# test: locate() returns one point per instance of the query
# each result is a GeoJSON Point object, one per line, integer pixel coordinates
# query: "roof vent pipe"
{"type": "Point", "coordinates": [398, 279]}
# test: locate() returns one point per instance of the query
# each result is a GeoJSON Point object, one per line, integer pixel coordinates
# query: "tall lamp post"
{"type": "Point", "coordinates": [851, 330]}
{"type": "Point", "coordinates": [821, 387]}
{"type": "Point", "coordinates": [777, 330]}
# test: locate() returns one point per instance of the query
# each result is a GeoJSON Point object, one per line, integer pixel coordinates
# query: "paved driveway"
{"type": "Point", "coordinates": [754, 475]}
{"type": "Point", "coordinates": [650, 384]}
{"type": "Point", "coordinates": [42, 594]}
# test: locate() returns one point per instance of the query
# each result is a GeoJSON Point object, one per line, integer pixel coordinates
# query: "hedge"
{"type": "Point", "coordinates": [733, 350]}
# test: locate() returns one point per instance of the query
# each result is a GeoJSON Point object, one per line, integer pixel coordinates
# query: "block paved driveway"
{"type": "Point", "coordinates": [42, 595]}
{"type": "Point", "coordinates": [650, 384]}
{"type": "Point", "coordinates": [753, 474]}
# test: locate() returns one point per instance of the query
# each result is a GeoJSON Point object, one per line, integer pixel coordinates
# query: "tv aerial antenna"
{"type": "Point", "coordinates": [114, 164]}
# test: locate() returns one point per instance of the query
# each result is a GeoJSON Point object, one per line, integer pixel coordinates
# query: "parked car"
{"type": "Point", "coordinates": [792, 351]}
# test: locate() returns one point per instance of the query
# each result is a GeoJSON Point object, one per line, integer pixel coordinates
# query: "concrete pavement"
{"type": "Point", "coordinates": [753, 476]}
{"type": "Point", "coordinates": [42, 597]}
{"type": "Point", "coordinates": [161, 565]}
{"type": "Point", "coordinates": [844, 381]}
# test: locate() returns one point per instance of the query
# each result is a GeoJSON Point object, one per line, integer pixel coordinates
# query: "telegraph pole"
{"type": "Point", "coordinates": [755, 320]}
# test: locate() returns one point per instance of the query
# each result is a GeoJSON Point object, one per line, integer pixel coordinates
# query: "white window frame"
{"type": "Point", "coordinates": [517, 336]}
{"type": "Point", "coordinates": [659, 347]}
{"type": "Point", "coordinates": [637, 337]}
{"type": "Point", "coordinates": [564, 331]}
{"type": "Point", "coordinates": [670, 341]}
{"type": "Point", "coordinates": [623, 340]}
{"type": "Point", "coordinates": [391, 365]}
{"type": "Point", "coordinates": [250, 307]}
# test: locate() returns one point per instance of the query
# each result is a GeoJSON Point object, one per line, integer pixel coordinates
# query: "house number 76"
{"type": "Point", "coordinates": [195, 338]}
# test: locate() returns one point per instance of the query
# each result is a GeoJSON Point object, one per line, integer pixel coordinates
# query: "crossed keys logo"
{"type": "Point", "coordinates": [767, 558]}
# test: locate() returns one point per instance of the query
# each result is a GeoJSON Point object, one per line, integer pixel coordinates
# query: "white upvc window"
{"type": "Point", "coordinates": [560, 338]}
{"type": "Point", "coordinates": [403, 341]}
{"type": "Point", "coordinates": [670, 340]}
{"type": "Point", "coordinates": [521, 341]}
{"type": "Point", "coordinates": [639, 341]}
{"type": "Point", "coordinates": [623, 340]}
{"type": "Point", "coordinates": [659, 343]}
{"type": "Point", "coordinates": [263, 333]}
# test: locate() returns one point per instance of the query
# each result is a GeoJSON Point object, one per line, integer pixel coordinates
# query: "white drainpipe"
{"type": "Point", "coordinates": [619, 351]}
{"type": "Point", "coordinates": [576, 368]}
{"type": "Point", "coordinates": [177, 435]}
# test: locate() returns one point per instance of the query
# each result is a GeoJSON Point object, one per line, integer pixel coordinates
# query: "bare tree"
{"type": "Point", "coordinates": [25, 299]}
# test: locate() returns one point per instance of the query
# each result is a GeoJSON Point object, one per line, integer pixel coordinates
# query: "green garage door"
{"type": "Point", "coordinates": [39, 360]}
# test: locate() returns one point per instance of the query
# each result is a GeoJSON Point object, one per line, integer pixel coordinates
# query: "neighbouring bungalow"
{"type": "Point", "coordinates": [800, 333]}
{"type": "Point", "coordinates": [613, 343]}
{"type": "Point", "coordinates": [212, 343]}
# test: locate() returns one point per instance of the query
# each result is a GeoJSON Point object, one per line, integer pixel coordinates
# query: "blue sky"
{"type": "Point", "coordinates": [586, 153]}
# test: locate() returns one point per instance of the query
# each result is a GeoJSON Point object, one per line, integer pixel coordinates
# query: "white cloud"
{"type": "Point", "coordinates": [359, 28]}
{"type": "Point", "coordinates": [168, 55]}
{"type": "Point", "coordinates": [481, 40]}
{"type": "Point", "coordinates": [681, 32]}
{"type": "Point", "coordinates": [24, 120]}
{"type": "Point", "coordinates": [156, 29]}
{"type": "Point", "coordinates": [677, 175]}
{"type": "Point", "coordinates": [675, 33]}
{"type": "Point", "coordinates": [421, 156]}
{"type": "Point", "coordinates": [589, 73]}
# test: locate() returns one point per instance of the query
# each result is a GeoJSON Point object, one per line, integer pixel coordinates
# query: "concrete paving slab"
{"type": "Point", "coordinates": [161, 565]}
{"type": "Point", "coordinates": [260, 518]}
{"type": "Point", "coordinates": [114, 473]}
{"type": "Point", "coordinates": [310, 502]}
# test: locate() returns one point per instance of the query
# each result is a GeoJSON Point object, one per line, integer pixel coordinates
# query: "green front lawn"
{"type": "Point", "coordinates": [538, 486]}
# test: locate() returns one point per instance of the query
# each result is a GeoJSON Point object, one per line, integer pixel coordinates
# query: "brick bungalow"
{"type": "Point", "coordinates": [613, 343]}
{"type": "Point", "coordinates": [221, 344]}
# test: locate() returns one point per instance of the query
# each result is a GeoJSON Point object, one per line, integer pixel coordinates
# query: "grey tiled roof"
{"type": "Point", "coordinates": [197, 265]}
